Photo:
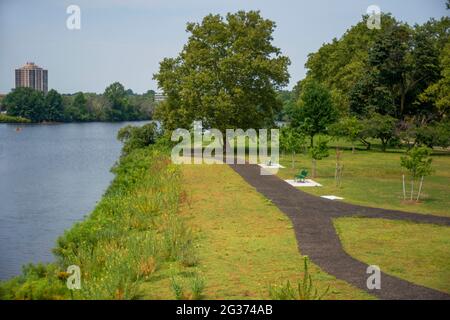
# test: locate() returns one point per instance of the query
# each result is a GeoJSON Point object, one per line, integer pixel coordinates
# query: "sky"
{"type": "Point", "coordinates": [124, 40]}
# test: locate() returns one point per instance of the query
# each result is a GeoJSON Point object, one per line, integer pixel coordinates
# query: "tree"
{"type": "Point", "coordinates": [318, 152]}
{"type": "Point", "coordinates": [54, 105]}
{"type": "Point", "coordinates": [137, 137]}
{"type": "Point", "coordinates": [77, 109]}
{"type": "Point", "coordinates": [438, 93]}
{"type": "Point", "coordinates": [418, 163]}
{"type": "Point", "coordinates": [226, 75]}
{"type": "Point", "coordinates": [339, 64]}
{"type": "Point", "coordinates": [118, 102]}
{"type": "Point", "coordinates": [315, 111]}
{"type": "Point", "coordinates": [381, 127]}
{"type": "Point", "coordinates": [436, 134]}
{"type": "Point", "coordinates": [350, 128]}
{"type": "Point", "coordinates": [27, 103]}
{"type": "Point", "coordinates": [291, 141]}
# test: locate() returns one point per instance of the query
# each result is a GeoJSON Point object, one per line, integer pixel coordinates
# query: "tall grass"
{"type": "Point", "coordinates": [305, 289]}
{"type": "Point", "coordinates": [132, 232]}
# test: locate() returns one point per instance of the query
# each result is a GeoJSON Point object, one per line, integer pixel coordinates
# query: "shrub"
{"type": "Point", "coordinates": [305, 289]}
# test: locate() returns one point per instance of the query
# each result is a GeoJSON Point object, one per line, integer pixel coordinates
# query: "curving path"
{"type": "Point", "coordinates": [316, 236]}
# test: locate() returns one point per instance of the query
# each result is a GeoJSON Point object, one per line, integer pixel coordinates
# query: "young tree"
{"type": "Point", "coordinates": [291, 141]}
{"type": "Point", "coordinates": [315, 111]}
{"type": "Point", "coordinates": [350, 128]}
{"type": "Point", "coordinates": [318, 152]}
{"type": "Point", "coordinates": [418, 163]}
{"type": "Point", "coordinates": [381, 127]}
{"type": "Point", "coordinates": [226, 75]}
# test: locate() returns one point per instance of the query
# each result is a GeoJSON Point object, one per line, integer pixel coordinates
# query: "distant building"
{"type": "Point", "coordinates": [159, 97]}
{"type": "Point", "coordinates": [32, 76]}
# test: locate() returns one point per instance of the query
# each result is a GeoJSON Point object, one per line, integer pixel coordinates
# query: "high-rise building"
{"type": "Point", "coordinates": [32, 76]}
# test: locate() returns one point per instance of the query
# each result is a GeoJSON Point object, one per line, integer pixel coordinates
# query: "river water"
{"type": "Point", "coordinates": [50, 177]}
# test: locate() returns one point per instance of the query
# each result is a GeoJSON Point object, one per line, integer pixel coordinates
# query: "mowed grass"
{"type": "Point", "coordinates": [415, 252]}
{"type": "Point", "coordinates": [243, 241]}
{"type": "Point", "coordinates": [374, 178]}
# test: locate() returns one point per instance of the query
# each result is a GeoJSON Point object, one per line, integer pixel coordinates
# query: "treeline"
{"type": "Point", "coordinates": [115, 104]}
{"type": "Point", "coordinates": [391, 84]}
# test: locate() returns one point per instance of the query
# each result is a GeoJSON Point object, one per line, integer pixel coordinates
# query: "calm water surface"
{"type": "Point", "coordinates": [50, 177]}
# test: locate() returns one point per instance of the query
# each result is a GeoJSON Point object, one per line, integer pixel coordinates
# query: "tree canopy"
{"type": "Point", "coordinates": [116, 104]}
{"type": "Point", "coordinates": [226, 75]}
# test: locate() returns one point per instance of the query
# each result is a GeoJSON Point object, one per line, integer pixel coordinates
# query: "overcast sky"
{"type": "Point", "coordinates": [124, 40]}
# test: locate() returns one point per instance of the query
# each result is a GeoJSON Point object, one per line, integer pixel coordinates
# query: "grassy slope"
{"type": "Point", "coordinates": [375, 179]}
{"type": "Point", "coordinates": [244, 242]}
{"type": "Point", "coordinates": [133, 235]}
{"type": "Point", "coordinates": [414, 252]}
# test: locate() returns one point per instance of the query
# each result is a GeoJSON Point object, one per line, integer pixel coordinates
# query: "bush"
{"type": "Point", "coordinates": [37, 282]}
{"type": "Point", "coordinates": [137, 137]}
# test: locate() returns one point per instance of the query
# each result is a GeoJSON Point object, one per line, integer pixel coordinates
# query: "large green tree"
{"type": "Point", "coordinates": [118, 101]}
{"type": "Point", "coordinates": [54, 105]}
{"type": "Point", "coordinates": [27, 103]}
{"type": "Point", "coordinates": [77, 110]}
{"type": "Point", "coordinates": [226, 75]}
{"type": "Point", "coordinates": [339, 64]}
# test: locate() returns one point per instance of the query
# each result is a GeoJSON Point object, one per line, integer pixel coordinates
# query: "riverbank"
{"type": "Point", "coordinates": [134, 231]}
{"type": "Point", "coordinates": [4, 118]}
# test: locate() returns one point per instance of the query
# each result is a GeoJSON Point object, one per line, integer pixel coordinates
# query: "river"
{"type": "Point", "coordinates": [50, 177]}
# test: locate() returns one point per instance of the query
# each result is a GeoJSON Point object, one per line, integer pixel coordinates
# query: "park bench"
{"type": "Point", "coordinates": [301, 176]}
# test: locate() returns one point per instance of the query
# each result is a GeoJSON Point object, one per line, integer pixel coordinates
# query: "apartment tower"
{"type": "Point", "coordinates": [32, 76]}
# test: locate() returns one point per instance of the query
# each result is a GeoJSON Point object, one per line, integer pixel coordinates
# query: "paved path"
{"type": "Point", "coordinates": [316, 236]}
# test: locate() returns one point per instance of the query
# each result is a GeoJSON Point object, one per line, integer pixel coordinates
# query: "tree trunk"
{"type": "Point", "coordinates": [412, 188]}
{"type": "Point", "coordinates": [293, 164]}
{"type": "Point", "coordinates": [402, 102]}
{"type": "Point", "coordinates": [312, 141]}
{"type": "Point", "coordinates": [367, 143]}
{"type": "Point", "coordinates": [314, 168]}
{"type": "Point", "coordinates": [383, 145]}
{"type": "Point", "coordinates": [353, 149]}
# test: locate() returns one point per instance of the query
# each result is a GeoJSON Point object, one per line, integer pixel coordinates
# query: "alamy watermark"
{"type": "Point", "coordinates": [74, 279]}
{"type": "Point", "coordinates": [374, 280]}
{"type": "Point", "coordinates": [374, 19]}
{"type": "Point", "coordinates": [73, 21]}
{"type": "Point", "coordinates": [208, 146]}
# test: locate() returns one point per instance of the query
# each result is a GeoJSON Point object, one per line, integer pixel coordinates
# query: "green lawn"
{"type": "Point", "coordinates": [374, 178]}
{"type": "Point", "coordinates": [244, 242]}
{"type": "Point", "coordinates": [415, 252]}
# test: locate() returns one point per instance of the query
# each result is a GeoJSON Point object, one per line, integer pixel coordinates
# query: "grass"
{"type": "Point", "coordinates": [374, 178]}
{"type": "Point", "coordinates": [415, 252]}
{"type": "Point", "coordinates": [4, 118]}
{"type": "Point", "coordinates": [245, 244]}
{"type": "Point", "coordinates": [134, 234]}
{"type": "Point", "coordinates": [192, 232]}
